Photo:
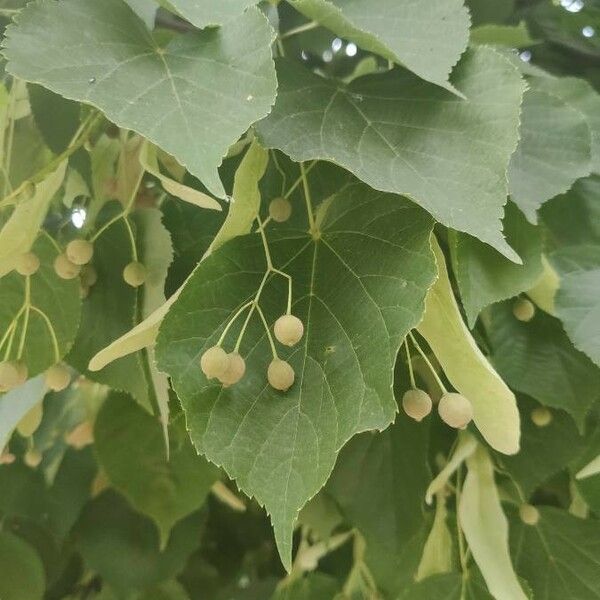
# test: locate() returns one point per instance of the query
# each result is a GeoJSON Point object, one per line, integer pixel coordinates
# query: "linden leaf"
{"type": "Point", "coordinates": [193, 98]}
{"type": "Point", "coordinates": [537, 359]}
{"type": "Point", "coordinates": [553, 152]}
{"type": "Point", "coordinates": [22, 574]}
{"type": "Point", "coordinates": [281, 447]}
{"type": "Point", "coordinates": [427, 39]}
{"type": "Point", "coordinates": [559, 556]}
{"type": "Point", "coordinates": [400, 134]}
{"type": "Point", "coordinates": [467, 369]}
{"type": "Point", "coordinates": [484, 276]}
{"type": "Point", "coordinates": [130, 449]}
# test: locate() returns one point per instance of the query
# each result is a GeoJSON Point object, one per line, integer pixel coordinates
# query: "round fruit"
{"type": "Point", "coordinates": [280, 374]}
{"type": "Point", "coordinates": [455, 410]}
{"type": "Point", "coordinates": [214, 362]}
{"type": "Point", "coordinates": [236, 367]}
{"type": "Point", "coordinates": [27, 264]}
{"type": "Point", "coordinates": [134, 274]}
{"type": "Point", "coordinates": [58, 378]}
{"type": "Point", "coordinates": [80, 252]}
{"type": "Point", "coordinates": [524, 310]}
{"type": "Point", "coordinates": [28, 425]}
{"type": "Point", "coordinates": [289, 330]}
{"type": "Point", "coordinates": [416, 404]}
{"type": "Point", "coordinates": [64, 268]}
{"type": "Point", "coordinates": [89, 275]}
{"type": "Point", "coordinates": [32, 458]}
{"type": "Point", "coordinates": [541, 416]}
{"type": "Point", "coordinates": [280, 209]}
{"type": "Point", "coordinates": [529, 514]}
{"type": "Point", "coordinates": [10, 376]}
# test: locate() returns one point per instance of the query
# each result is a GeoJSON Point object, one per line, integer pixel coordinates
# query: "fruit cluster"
{"type": "Point", "coordinates": [229, 368]}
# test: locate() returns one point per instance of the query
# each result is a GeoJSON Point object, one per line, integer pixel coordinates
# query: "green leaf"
{"type": "Point", "coordinates": [130, 448]}
{"type": "Point", "coordinates": [559, 556]}
{"type": "Point", "coordinates": [122, 546]}
{"type": "Point", "coordinates": [577, 301]}
{"type": "Point", "coordinates": [465, 366]}
{"type": "Point", "coordinates": [544, 450]}
{"type": "Point", "coordinates": [427, 40]}
{"type": "Point", "coordinates": [206, 13]}
{"type": "Point", "coordinates": [193, 98]}
{"type": "Point", "coordinates": [45, 309]}
{"type": "Point", "coordinates": [537, 359]}
{"type": "Point", "coordinates": [513, 36]}
{"type": "Point", "coordinates": [484, 276]}
{"type": "Point", "coordinates": [406, 136]}
{"type": "Point", "coordinates": [16, 404]}
{"type": "Point", "coordinates": [553, 152]}
{"type": "Point", "coordinates": [20, 231]}
{"type": "Point", "coordinates": [389, 471]}
{"type": "Point", "coordinates": [486, 529]}
{"type": "Point", "coordinates": [56, 118]}
{"type": "Point", "coordinates": [281, 447]}
{"type": "Point", "coordinates": [109, 311]}
{"type": "Point", "coordinates": [579, 94]}
{"type": "Point", "coordinates": [21, 571]}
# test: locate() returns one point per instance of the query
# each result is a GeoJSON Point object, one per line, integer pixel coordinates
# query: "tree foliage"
{"type": "Point", "coordinates": [299, 299]}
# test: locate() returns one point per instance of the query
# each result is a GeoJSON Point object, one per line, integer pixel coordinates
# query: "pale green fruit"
{"type": "Point", "coordinates": [524, 310]}
{"type": "Point", "coordinates": [64, 268]}
{"type": "Point", "coordinates": [80, 252]}
{"type": "Point", "coordinates": [57, 378]}
{"type": "Point", "coordinates": [10, 376]}
{"type": "Point", "coordinates": [236, 367]}
{"type": "Point", "coordinates": [416, 404]}
{"type": "Point", "coordinates": [134, 274]}
{"type": "Point", "coordinates": [288, 330]}
{"type": "Point", "coordinates": [455, 410]}
{"type": "Point", "coordinates": [280, 209]}
{"type": "Point", "coordinates": [28, 264]}
{"type": "Point", "coordinates": [280, 375]}
{"type": "Point", "coordinates": [214, 362]}
{"type": "Point", "coordinates": [529, 514]}
{"type": "Point", "coordinates": [541, 416]}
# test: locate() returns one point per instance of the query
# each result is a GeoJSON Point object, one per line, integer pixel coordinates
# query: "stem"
{"type": "Point", "coordinates": [8, 332]}
{"type": "Point", "coordinates": [299, 29]}
{"type": "Point", "coordinates": [232, 321]}
{"type": "Point", "coordinates": [299, 180]}
{"type": "Point", "coordinates": [50, 330]}
{"type": "Point", "coordinates": [263, 237]}
{"type": "Point", "coordinates": [428, 363]}
{"type": "Point", "coordinates": [410, 368]}
{"type": "Point", "coordinates": [281, 172]}
{"type": "Point", "coordinates": [27, 304]}
{"type": "Point", "coordinates": [307, 198]}
{"type": "Point", "coordinates": [134, 254]}
{"type": "Point", "coordinates": [461, 544]}
{"type": "Point", "coordinates": [12, 335]}
{"type": "Point", "coordinates": [289, 279]}
{"type": "Point", "coordinates": [84, 132]}
{"type": "Point", "coordinates": [271, 342]}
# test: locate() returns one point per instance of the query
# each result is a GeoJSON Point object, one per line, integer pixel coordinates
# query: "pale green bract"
{"type": "Point", "coordinates": [281, 447]}
{"type": "Point", "coordinates": [486, 528]}
{"type": "Point", "coordinates": [194, 97]}
{"type": "Point", "coordinates": [403, 135]}
{"type": "Point", "coordinates": [467, 369]}
{"type": "Point", "coordinates": [427, 38]}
